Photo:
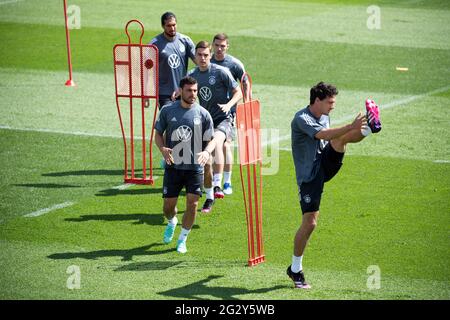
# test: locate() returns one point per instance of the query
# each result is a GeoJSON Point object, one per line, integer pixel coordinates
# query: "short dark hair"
{"type": "Point", "coordinates": [187, 80]}
{"type": "Point", "coordinates": [166, 16]}
{"type": "Point", "coordinates": [322, 90]}
{"type": "Point", "coordinates": [221, 37]}
{"type": "Point", "coordinates": [203, 44]}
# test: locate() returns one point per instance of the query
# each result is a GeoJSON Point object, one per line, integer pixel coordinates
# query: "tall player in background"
{"type": "Point", "coordinates": [174, 51]}
{"type": "Point", "coordinates": [237, 70]}
{"type": "Point", "coordinates": [217, 93]}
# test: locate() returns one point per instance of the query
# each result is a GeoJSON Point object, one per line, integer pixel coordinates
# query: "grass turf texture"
{"type": "Point", "coordinates": [388, 207]}
{"type": "Point", "coordinates": [115, 236]}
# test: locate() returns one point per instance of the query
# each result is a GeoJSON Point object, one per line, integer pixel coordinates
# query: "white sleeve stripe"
{"type": "Point", "coordinates": [307, 119]}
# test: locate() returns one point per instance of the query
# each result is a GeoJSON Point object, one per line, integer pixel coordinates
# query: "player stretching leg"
{"type": "Point", "coordinates": [318, 151]}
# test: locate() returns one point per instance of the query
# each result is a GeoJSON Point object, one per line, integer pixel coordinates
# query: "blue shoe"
{"type": "Point", "coordinates": [168, 233]}
{"type": "Point", "coordinates": [181, 246]}
{"type": "Point", "coordinates": [227, 189]}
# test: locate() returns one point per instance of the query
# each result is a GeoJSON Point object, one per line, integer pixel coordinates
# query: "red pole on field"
{"type": "Point", "coordinates": [70, 82]}
{"type": "Point", "coordinates": [248, 119]}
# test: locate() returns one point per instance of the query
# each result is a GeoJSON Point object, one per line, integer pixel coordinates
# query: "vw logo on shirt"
{"type": "Point", "coordinates": [205, 93]}
{"type": "Point", "coordinates": [174, 61]}
{"type": "Point", "coordinates": [183, 133]}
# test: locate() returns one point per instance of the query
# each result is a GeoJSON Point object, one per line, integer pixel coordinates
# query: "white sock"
{"type": "Point", "coordinates": [173, 221]}
{"type": "Point", "coordinates": [217, 180]}
{"type": "Point", "coordinates": [209, 193]}
{"type": "Point", "coordinates": [184, 233]}
{"type": "Point", "coordinates": [227, 177]}
{"type": "Point", "coordinates": [296, 265]}
{"type": "Point", "coordinates": [366, 131]}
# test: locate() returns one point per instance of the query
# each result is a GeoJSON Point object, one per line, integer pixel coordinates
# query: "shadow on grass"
{"type": "Point", "coordinates": [149, 266]}
{"type": "Point", "coordinates": [133, 192]}
{"type": "Point", "coordinates": [99, 172]}
{"type": "Point", "coordinates": [126, 254]}
{"type": "Point", "coordinates": [47, 185]}
{"type": "Point", "coordinates": [150, 219]}
{"type": "Point", "coordinates": [157, 172]}
{"type": "Point", "coordinates": [199, 289]}
{"type": "Point", "coordinates": [156, 219]}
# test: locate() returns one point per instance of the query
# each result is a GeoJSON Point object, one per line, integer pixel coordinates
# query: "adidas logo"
{"type": "Point", "coordinates": [174, 119]}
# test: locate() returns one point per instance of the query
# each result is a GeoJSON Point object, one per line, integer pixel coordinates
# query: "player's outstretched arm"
{"type": "Point", "coordinates": [333, 133]}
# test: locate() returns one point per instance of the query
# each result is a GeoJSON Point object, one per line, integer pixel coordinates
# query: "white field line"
{"type": "Point", "coordinates": [70, 203]}
{"type": "Point", "coordinates": [441, 161]}
{"type": "Point", "coordinates": [76, 133]}
{"type": "Point", "coordinates": [390, 105]}
{"type": "Point", "coordinates": [123, 186]}
{"type": "Point", "coordinates": [10, 1]}
{"type": "Point", "coordinates": [47, 210]}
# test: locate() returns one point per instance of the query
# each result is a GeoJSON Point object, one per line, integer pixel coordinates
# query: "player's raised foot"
{"type": "Point", "coordinates": [168, 233]}
{"type": "Point", "coordinates": [373, 116]}
{"type": "Point", "coordinates": [218, 193]}
{"type": "Point", "coordinates": [298, 278]}
{"type": "Point", "coordinates": [181, 246]}
{"type": "Point", "coordinates": [227, 189]}
{"type": "Point", "coordinates": [207, 206]}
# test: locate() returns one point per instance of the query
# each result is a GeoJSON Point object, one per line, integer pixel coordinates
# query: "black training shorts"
{"type": "Point", "coordinates": [175, 180]}
{"type": "Point", "coordinates": [310, 193]}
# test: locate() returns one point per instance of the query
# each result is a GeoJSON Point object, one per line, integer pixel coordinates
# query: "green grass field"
{"type": "Point", "coordinates": [62, 198]}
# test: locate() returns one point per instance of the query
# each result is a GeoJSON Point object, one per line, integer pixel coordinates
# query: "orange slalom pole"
{"type": "Point", "coordinates": [70, 82]}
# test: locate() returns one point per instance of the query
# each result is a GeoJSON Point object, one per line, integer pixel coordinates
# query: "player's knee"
{"type": "Point", "coordinates": [192, 202]}
{"type": "Point", "coordinates": [338, 144]}
{"type": "Point", "coordinates": [192, 205]}
{"type": "Point", "coordinates": [310, 220]}
{"type": "Point", "coordinates": [169, 210]}
{"type": "Point", "coordinates": [220, 138]}
{"type": "Point", "coordinates": [311, 225]}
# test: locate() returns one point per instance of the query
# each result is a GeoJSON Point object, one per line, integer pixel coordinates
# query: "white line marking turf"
{"type": "Point", "coordinates": [47, 210]}
{"type": "Point", "coordinates": [10, 1]}
{"type": "Point", "coordinates": [77, 133]}
{"type": "Point", "coordinates": [123, 186]}
{"type": "Point", "coordinates": [70, 203]}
